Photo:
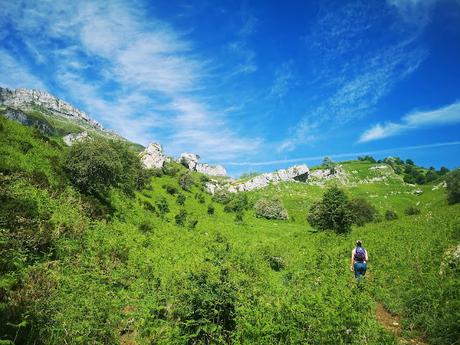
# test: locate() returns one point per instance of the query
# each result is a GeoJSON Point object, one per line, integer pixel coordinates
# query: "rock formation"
{"type": "Point", "coordinates": [298, 173]}
{"type": "Point", "coordinates": [21, 117]}
{"type": "Point", "coordinates": [153, 157]}
{"type": "Point", "coordinates": [190, 161]}
{"type": "Point", "coordinates": [25, 97]}
{"type": "Point", "coordinates": [72, 138]}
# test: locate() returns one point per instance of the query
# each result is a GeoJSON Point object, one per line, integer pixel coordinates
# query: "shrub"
{"type": "Point", "coordinates": [239, 217]}
{"type": "Point", "coordinates": [148, 206]}
{"type": "Point", "coordinates": [200, 198]}
{"type": "Point", "coordinates": [453, 186]}
{"type": "Point", "coordinates": [181, 217]}
{"type": "Point", "coordinates": [162, 205]}
{"type": "Point", "coordinates": [270, 209]}
{"type": "Point", "coordinates": [211, 209]}
{"type": "Point", "coordinates": [170, 189]}
{"type": "Point", "coordinates": [94, 166]}
{"type": "Point", "coordinates": [362, 211]}
{"type": "Point", "coordinates": [332, 212]}
{"type": "Point", "coordinates": [391, 215]}
{"type": "Point", "coordinates": [192, 223]}
{"type": "Point", "coordinates": [170, 169]}
{"type": "Point", "coordinates": [276, 263]}
{"type": "Point", "coordinates": [204, 179]}
{"type": "Point", "coordinates": [222, 196]}
{"type": "Point", "coordinates": [145, 227]}
{"type": "Point", "coordinates": [412, 210]}
{"type": "Point", "coordinates": [186, 181]}
{"type": "Point", "coordinates": [238, 203]}
{"type": "Point", "coordinates": [180, 200]}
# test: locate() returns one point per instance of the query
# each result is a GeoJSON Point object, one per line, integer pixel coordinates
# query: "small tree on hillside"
{"type": "Point", "coordinates": [332, 212]}
{"type": "Point", "coordinates": [328, 163]}
{"type": "Point", "coordinates": [453, 186]}
{"type": "Point", "coordinates": [362, 211]}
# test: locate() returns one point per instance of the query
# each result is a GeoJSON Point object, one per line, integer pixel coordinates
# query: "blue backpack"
{"type": "Point", "coordinates": [360, 254]}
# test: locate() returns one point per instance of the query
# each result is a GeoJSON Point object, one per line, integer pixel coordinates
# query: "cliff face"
{"type": "Point", "coordinates": [25, 97]}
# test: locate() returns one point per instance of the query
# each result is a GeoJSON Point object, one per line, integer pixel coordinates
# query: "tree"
{"type": "Point", "coordinates": [96, 165]}
{"type": "Point", "coordinates": [270, 209]}
{"type": "Point", "coordinates": [332, 212]}
{"type": "Point", "coordinates": [329, 164]}
{"type": "Point", "coordinates": [453, 186]}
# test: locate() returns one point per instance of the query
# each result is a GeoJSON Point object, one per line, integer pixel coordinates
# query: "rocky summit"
{"type": "Point", "coordinates": [20, 98]}
{"type": "Point", "coordinates": [191, 161]}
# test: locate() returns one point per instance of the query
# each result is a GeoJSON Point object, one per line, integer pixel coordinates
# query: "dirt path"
{"type": "Point", "coordinates": [392, 324]}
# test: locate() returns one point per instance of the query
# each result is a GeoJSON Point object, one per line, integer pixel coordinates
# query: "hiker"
{"type": "Point", "coordinates": [359, 259]}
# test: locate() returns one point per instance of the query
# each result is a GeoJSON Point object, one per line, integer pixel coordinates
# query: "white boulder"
{"type": "Point", "coordinates": [152, 157]}
{"type": "Point", "coordinates": [72, 138]}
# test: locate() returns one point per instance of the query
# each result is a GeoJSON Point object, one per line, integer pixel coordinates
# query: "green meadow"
{"type": "Point", "coordinates": [167, 265]}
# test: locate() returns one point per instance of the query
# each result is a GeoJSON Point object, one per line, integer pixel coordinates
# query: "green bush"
{"type": "Point", "coordinates": [170, 189]}
{"type": "Point", "coordinates": [170, 169]}
{"type": "Point", "coordinates": [276, 263]}
{"type": "Point", "coordinates": [222, 196]}
{"type": "Point", "coordinates": [211, 209]}
{"type": "Point", "coordinates": [391, 215]}
{"type": "Point", "coordinates": [180, 200]}
{"type": "Point", "coordinates": [412, 211]}
{"type": "Point", "coordinates": [238, 203]}
{"type": "Point", "coordinates": [186, 181]}
{"type": "Point", "coordinates": [94, 166]}
{"type": "Point", "coordinates": [453, 186]}
{"type": "Point", "coordinates": [181, 217]}
{"type": "Point", "coordinates": [163, 206]}
{"type": "Point", "coordinates": [200, 198]}
{"type": "Point", "coordinates": [362, 211]}
{"type": "Point", "coordinates": [332, 212]}
{"type": "Point", "coordinates": [270, 209]}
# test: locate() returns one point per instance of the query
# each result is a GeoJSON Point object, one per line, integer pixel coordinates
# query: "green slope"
{"type": "Point", "coordinates": [74, 273]}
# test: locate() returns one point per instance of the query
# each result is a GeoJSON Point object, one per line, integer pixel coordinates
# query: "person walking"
{"type": "Point", "coordinates": [359, 259]}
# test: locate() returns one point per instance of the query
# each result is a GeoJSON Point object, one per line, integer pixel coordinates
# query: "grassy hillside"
{"type": "Point", "coordinates": [155, 268]}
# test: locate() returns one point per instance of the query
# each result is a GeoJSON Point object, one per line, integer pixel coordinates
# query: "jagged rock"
{"type": "Point", "coordinates": [295, 173]}
{"type": "Point", "coordinates": [153, 157]}
{"type": "Point", "coordinates": [21, 117]}
{"type": "Point", "coordinates": [72, 138]}
{"type": "Point", "coordinates": [26, 97]}
{"type": "Point", "coordinates": [211, 170]}
{"type": "Point", "coordinates": [189, 160]}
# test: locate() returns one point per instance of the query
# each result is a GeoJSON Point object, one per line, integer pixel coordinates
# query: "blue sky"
{"type": "Point", "coordinates": [254, 85]}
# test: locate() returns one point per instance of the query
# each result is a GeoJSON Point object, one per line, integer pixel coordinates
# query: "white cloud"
{"type": "Point", "coordinates": [283, 80]}
{"type": "Point", "coordinates": [449, 114]}
{"type": "Point", "coordinates": [15, 75]}
{"type": "Point", "coordinates": [136, 75]}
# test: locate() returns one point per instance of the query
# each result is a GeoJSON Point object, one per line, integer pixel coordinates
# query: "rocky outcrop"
{"type": "Point", "coordinates": [211, 170]}
{"type": "Point", "coordinates": [21, 117]}
{"type": "Point", "coordinates": [72, 138]}
{"type": "Point", "coordinates": [190, 161]}
{"type": "Point", "coordinates": [152, 157]}
{"type": "Point", "coordinates": [25, 97]}
{"type": "Point", "coordinates": [297, 173]}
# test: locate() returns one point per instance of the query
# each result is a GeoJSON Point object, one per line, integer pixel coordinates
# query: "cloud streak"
{"type": "Point", "coordinates": [449, 114]}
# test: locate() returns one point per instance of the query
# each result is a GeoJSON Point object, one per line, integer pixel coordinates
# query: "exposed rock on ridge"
{"type": "Point", "coordinates": [152, 157]}
{"type": "Point", "coordinates": [72, 138]}
{"type": "Point", "coordinates": [26, 97]}
{"type": "Point", "coordinates": [190, 160]}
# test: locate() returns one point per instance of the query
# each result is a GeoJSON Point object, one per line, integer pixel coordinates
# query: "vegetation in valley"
{"type": "Point", "coordinates": [93, 249]}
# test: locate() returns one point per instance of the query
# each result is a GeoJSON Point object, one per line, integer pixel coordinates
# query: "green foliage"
{"type": "Point", "coordinates": [391, 215]}
{"type": "Point", "coordinates": [239, 202]}
{"type": "Point", "coordinates": [180, 200]}
{"type": "Point", "coordinates": [181, 217]}
{"type": "Point", "coordinates": [453, 186]}
{"type": "Point", "coordinates": [200, 198]}
{"type": "Point", "coordinates": [222, 196]}
{"type": "Point", "coordinates": [162, 206]}
{"type": "Point", "coordinates": [276, 263]}
{"type": "Point", "coordinates": [362, 211]}
{"type": "Point", "coordinates": [328, 163]}
{"type": "Point", "coordinates": [94, 166]}
{"type": "Point", "coordinates": [367, 159]}
{"type": "Point", "coordinates": [170, 169]}
{"type": "Point", "coordinates": [412, 211]}
{"type": "Point", "coordinates": [332, 212]}
{"type": "Point", "coordinates": [186, 181]}
{"type": "Point", "coordinates": [211, 209]}
{"type": "Point", "coordinates": [170, 189]}
{"type": "Point", "coordinates": [270, 209]}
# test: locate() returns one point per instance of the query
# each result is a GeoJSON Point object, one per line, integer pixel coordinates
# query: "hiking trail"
{"type": "Point", "coordinates": [392, 323]}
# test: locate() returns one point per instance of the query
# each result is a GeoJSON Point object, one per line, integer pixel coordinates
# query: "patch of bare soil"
{"type": "Point", "coordinates": [392, 323]}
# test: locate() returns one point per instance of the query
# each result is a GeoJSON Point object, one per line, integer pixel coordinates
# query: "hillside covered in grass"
{"type": "Point", "coordinates": [157, 260]}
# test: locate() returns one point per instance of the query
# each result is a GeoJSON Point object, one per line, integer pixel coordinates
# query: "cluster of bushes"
{"type": "Point", "coordinates": [270, 209]}
{"type": "Point", "coordinates": [412, 173]}
{"type": "Point", "coordinates": [94, 166]}
{"type": "Point", "coordinates": [336, 212]}
{"type": "Point", "coordinates": [453, 186]}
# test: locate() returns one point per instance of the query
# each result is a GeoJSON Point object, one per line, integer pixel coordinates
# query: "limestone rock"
{"type": "Point", "coordinates": [153, 157]}
{"type": "Point", "coordinates": [190, 160]}
{"type": "Point", "coordinates": [295, 173]}
{"type": "Point", "coordinates": [451, 260]}
{"type": "Point", "coordinates": [211, 170]}
{"type": "Point", "coordinates": [72, 138]}
{"type": "Point", "coordinates": [21, 117]}
{"type": "Point", "coordinates": [26, 97]}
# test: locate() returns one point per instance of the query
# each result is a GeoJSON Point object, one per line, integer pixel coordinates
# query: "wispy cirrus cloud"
{"type": "Point", "coordinates": [14, 74]}
{"type": "Point", "coordinates": [351, 71]}
{"type": "Point", "coordinates": [449, 114]}
{"type": "Point", "coordinates": [136, 74]}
